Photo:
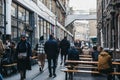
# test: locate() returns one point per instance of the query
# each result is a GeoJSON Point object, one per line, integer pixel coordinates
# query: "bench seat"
{"type": "Point", "coordinates": [82, 71]}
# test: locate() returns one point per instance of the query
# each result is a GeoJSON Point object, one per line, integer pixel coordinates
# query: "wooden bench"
{"type": "Point", "coordinates": [88, 62]}
{"type": "Point", "coordinates": [9, 66]}
{"type": "Point", "coordinates": [82, 71]}
{"type": "Point", "coordinates": [87, 56]}
{"type": "Point", "coordinates": [86, 59]}
{"type": "Point", "coordinates": [83, 67]}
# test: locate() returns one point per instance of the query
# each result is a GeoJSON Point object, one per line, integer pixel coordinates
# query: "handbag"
{"type": "Point", "coordinates": [22, 55]}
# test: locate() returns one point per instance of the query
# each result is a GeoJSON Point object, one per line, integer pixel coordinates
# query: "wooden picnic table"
{"type": "Point", "coordinates": [86, 59]}
{"type": "Point", "coordinates": [88, 56]}
{"type": "Point", "coordinates": [88, 62]}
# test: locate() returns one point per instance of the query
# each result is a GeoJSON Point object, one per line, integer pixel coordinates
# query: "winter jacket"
{"type": "Point", "coordinates": [51, 48]}
{"type": "Point", "coordinates": [73, 54]}
{"type": "Point", "coordinates": [64, 45]}
{"type": "Point", "coordinates": [95, 55]}
{"type": "Point", "coordinates": [104, 61]}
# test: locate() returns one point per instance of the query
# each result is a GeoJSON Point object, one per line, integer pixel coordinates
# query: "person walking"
{"type": "Point", "coordinates": [24, 52]}
{"type": "Point", "coordinates": [64, 46]}
{"type": "Point", "coordinates": [41, 53]}
{"type": "Point", "coordinates": [51, 50]}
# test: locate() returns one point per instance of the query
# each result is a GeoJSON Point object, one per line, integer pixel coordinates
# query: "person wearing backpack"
{"type": "Point", "coordinates": [24, 54]}
{"type": "Point", "coordinates": [105, 63]}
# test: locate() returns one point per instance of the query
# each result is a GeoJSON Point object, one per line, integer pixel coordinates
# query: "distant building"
{"type": "Point", "coordinates": [81, 30]}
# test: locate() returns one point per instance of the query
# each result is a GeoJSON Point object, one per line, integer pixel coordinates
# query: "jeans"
{"type": "Point", "coordinates": [52, 63]}
{"type": "Point", "coordinates": [1, 77]}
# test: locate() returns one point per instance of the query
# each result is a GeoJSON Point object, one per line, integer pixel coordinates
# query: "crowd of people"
{"type": "Point", "coordinates": [50, 50]}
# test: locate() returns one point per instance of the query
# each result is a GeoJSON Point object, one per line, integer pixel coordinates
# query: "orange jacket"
{"type": "Point", "coordinates": [104, 61]}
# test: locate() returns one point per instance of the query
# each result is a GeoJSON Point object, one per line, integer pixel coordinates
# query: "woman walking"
{"type": "Point", "coordinates": [41, 53]}
{"type": "Point", "coordinates": [23, 56]}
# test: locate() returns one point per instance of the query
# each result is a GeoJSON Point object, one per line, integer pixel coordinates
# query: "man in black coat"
{"type": "Point", "coordinates": [51, 50]}
{"type": "Point", "coordinates": [64, 46]}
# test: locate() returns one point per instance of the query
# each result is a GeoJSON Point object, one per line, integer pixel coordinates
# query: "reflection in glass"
{"type": "Point", "coordinates": [21, 13]}
{"type": "Point", "coordinates": [14, 10]}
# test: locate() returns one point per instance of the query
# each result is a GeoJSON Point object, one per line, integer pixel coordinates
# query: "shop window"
{"type": "Point", "coordinates": [119, 31]}
{"type": "Point", "coordinates": [14, 10]}
{"type": "Point", "coordinates": [45, 37]}
{"type": "Point", "coordinates": [27, 17]}
{"type": "Point", "coordinates": [14, 34]}
{"type": "Point", "coordinates": [14, 22]}
{"type": "Point", "coordinates": [21, 27]}
{"type": "Point", "coordinates": [41, 27]}
{"type": "Point", "coordinates": [21, 13]}
{"type": "Point", "coordinates": [1, 14]}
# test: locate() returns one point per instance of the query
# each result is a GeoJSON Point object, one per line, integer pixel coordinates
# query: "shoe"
{"type": "Point", "coordinates": [40, 69]}
{"type": "Point", "coordinates": [61, 63]}
{"type": "Point", "coordinates": [54, 75]}
{"type": "Point", "coordinates": [50, 75]}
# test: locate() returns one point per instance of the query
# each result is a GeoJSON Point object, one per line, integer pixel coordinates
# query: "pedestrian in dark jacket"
{"type": "Point", "coordinates": [73, 53]}
{"type": "Point", "coordinates": [95, 53]}
{"type": "Point", "coordinates": [51, 50]}
{"type": "Point", "coordinates": [64, 46]}
{"type": "Point", "coordinates": [23, 51]}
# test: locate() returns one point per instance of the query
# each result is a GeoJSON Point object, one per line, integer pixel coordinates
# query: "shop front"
{"type": "Point", "coordinates": [21, 22]}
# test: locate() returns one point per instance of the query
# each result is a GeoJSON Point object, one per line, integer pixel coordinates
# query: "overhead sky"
{"type": "Point", "coordinates": [83, 4]}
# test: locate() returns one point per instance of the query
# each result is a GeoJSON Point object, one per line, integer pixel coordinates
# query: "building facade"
{"type": "Point", "coordinates": [108, 25]}
{"type": "Point", "coordinates": [82, 31]}
{"type": "Point", "coordinates": [36, 18]}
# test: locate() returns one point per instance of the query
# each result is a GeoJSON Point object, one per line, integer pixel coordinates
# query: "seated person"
{"type": "Point", "coordinates": [73, 54]}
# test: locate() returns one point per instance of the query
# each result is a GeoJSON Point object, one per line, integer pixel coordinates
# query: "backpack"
{"type": "Point", "coordinates": [2, 50]}
{"type": "Point", "coordinates": [104, 61]}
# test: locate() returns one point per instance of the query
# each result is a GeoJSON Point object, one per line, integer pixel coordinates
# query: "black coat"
{"type": "Point", "coordinates": [23, 64]}
{"type": "Point", "coordinates": [51, 48]}
{"type": "Point", "coordinates": [64, 46]}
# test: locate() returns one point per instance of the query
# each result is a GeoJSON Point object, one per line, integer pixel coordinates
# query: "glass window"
{"type": "Point", "coordinates": [1, 7]}
{"type": "Point", "coordinates": [14, 34]}
{"type": "Point", "coordinates": [14, 22]}
{"type": "Point", "coordinates": [45, 30]}
{"type": "Point", "coordinates": [21, 13]}
{"type": "Point", "coordinates": [119, 31]}
{"type": "Point", "coordinates": [27, 17]}
{"type": "Point", "coordinates": [14, 10]}
{"type": "Point", "coordinates": [41, 27]}
{"type": "Point", "coordinates": [21, 27]}
{"type": "Point", "coordinates": [48, 30]}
